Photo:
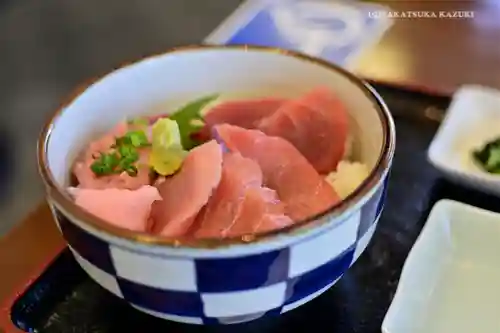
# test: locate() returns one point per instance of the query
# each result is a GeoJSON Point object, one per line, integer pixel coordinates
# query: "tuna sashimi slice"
{"type": "Point", "coordinates": [303, 191]}
{"type": "Point", "coordinates": [238, 173]}
{"type": "Point", "coordinates": [185, 193]}
{"type": "Point", "coordinates": [242, 113]}
{"type": "Point", "coordinates": [240, 204]}
{"type": "Point", "coordinates": [260, 211]}
{"type": "Point", "coordinates": [121, 207]}
{"type": "Point", "coordinates": [317, 124]}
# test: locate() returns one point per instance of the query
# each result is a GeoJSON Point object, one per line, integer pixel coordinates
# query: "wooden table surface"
{"type": "Point", "coordinates": [436, 55]}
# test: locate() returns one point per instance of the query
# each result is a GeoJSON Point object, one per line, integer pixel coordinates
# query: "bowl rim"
{"type": "Point", "coordinates": [65, 203]}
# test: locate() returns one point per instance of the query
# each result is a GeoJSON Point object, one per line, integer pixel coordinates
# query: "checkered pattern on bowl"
{"type": "Point", "coordinates": [226, 290]}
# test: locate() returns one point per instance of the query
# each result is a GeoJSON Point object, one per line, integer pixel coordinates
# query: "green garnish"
{"type": "Point", "coordinates": [132, 170]}
{"type": "Point", "coordinates": [134, 138]}
{"type": "Point", "coordinates": [488, 157]}
{"type": "Point", "coordinates": [105, 163]}
{"type": "Point", "coordinates": [185, 117]}
{"type": "Point", "coordinates": [124, 152]}
{"type": "Point", "coordinates": [122, 157]}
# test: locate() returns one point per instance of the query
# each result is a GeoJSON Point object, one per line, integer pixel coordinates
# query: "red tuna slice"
{"type": "Point", "coordinates": [240, 204]}
{"type": "Point", "coordinates": [317, 124]}
{"type": "Point", "coordinates": [121, 207]}
{"type": "Point", "coordinates": [303, 191]}
{"type": "Point", "coordinates": [260, 211]}
{"type": "Point", "coordinates": [238, 173]}
{"type": "Point", "coordinates": [185, 193]}
{"type": "Point", "coordinates": [243, 113]}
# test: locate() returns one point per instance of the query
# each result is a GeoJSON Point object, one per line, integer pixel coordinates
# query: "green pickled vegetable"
{"type": "Point", "coordinates": [488, 157]}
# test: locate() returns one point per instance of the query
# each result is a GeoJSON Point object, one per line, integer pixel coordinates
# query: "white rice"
{"type": "Point", "coordinates": [348, 177]}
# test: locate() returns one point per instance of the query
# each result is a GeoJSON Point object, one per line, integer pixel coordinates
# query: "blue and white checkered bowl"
{"type": "Point", "coordinates": [235, 280]}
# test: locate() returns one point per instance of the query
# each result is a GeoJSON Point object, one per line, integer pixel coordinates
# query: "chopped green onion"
{"type": "Point", "coordinates": [138, 138]}
{"type": "Point", "coordinates": [123, 156]}
{"type": "Point", "coordinates": [128, 152]}
{"type": "Point", "coordinates": [132, 171]}
{"type": "Point", "coordinates": [105, 164]}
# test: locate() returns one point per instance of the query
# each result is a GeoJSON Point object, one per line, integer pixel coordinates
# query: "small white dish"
{"type": "Point", "coordinates": [472, 120]}
{"type": "Point", "coordinates": [451, 279]}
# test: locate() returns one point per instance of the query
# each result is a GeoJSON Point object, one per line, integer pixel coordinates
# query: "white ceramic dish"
{"type": "Point", "coordinates": [473, 119]}
{"type": "Point", "coordinates": [450, 281]}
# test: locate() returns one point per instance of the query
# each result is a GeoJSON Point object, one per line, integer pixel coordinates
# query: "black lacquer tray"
{"type": "Point", "coordinates": [64, 299]}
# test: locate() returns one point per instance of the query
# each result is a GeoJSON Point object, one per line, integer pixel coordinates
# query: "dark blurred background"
{"type": "Point", "coordinates": [48, 47]}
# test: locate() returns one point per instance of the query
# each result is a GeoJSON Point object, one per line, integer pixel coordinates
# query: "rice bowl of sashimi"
{"type": "Point", "coordinates": [219, 184]}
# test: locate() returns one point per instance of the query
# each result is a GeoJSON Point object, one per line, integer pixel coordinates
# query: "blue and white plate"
{"type": "Point", "coordinates": [337, 31]}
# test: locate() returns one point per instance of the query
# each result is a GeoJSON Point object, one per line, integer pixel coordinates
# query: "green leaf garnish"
{"type": "Point", "coordinates": [185, 116]}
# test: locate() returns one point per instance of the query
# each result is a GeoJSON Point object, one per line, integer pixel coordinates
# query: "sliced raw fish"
{"type": "Point", "coordinates": [260, 211]}
{"type": "Point", "coordinates": [185, 193]}
{"type": "Point", "coordinates": [121, 207]}
{"type": "Point", "coordinates": [238, 173]}
{"type": "Point", "coordinates": [317, 124]}
{"type": "Point", "coordinates": [303, 191]}
{"type": "Point", "coordinates": [243, 113]}
{"type": "Point", "coordinates": [240, 205]}
{"type": "Point", "coordinates": [86, 177]}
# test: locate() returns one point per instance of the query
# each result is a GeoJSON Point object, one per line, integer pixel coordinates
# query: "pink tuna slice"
{"type": "Point", "coordinates": [86, 177]}
{"type": "Point", "coordinates": [229, 212]}
{"type": "Point", "coordinates": [185, 193]}
{"type": "Point", "coordinates": [299, 186]}
{"type": "Point", "coordinates": [123, 208]}
{"type": "Point", "coordinates": [260, 211]}
{"type": "Point", "coordinates": [317, 124]}
{"type": "Point", "coordinates": [242, 113]}
{"type": "Point", "coordinates": [238, 173]}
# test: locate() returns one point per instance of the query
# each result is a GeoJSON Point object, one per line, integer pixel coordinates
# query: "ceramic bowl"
{"type": "Point", "coordinates": [234, 280]}
{"type": "Point", "coordinates": [470, 122]}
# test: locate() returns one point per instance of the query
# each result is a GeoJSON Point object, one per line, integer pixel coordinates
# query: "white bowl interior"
{"type": "Point", "coordinates": [162, 83]}
{"type": "Point", "coordinates": [450, 279]}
